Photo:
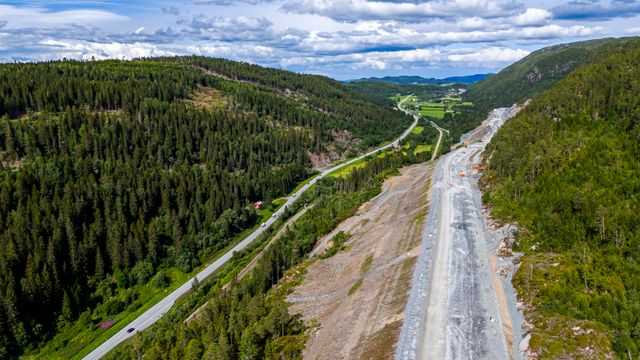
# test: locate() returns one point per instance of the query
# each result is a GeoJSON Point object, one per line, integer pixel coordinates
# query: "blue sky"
{"type": "Point", "coordinates": [344, 39]}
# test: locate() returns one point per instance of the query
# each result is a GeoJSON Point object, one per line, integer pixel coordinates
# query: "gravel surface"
{"type": "Point", "coordinates": [454, 311]}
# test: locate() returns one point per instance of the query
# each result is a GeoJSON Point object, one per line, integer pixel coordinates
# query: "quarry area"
{"type": "Point", "coordinates": [355, 299]}
{"type": "Point", "coordinates": [459, 307]}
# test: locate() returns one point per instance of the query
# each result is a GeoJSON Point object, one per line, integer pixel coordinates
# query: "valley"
{"type": "Point", "coordinates": [159, 201]}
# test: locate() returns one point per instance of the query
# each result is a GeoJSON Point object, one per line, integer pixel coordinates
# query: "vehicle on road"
{"type": "Point", "coordinates": [263, 225]}
{"type": "Point", "coordinates": [130, 330]}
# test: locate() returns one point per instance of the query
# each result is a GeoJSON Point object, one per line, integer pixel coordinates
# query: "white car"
{"type": "Point", "coordinates": [263, 225]}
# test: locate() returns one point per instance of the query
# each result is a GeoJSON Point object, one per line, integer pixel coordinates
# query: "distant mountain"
{"type": "Point", "coordinates": [419, 80]}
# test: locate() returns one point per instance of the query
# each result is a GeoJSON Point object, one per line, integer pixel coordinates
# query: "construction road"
{"type": "Point", "coordinates": [453, 311]}
{"type": "Point", "coordinates": [156, 312]}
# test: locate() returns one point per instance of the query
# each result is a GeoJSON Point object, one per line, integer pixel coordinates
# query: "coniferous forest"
{"type": "Point", "coordinates": [112, 170]}
{"type": "Point", "coordinates": [566, 171]}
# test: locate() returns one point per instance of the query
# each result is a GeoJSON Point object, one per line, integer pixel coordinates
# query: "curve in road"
{"type": "Point", "coordinates": [157, 311]}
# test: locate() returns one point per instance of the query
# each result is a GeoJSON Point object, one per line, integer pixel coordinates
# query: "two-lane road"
{"type": "Point", "coordinates": [156, 312]}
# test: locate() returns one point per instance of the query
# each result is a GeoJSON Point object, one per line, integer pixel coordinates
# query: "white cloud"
{"type": "Point", "coordinates": [371, 35]}
{"type": "Point", "coordinates": [356, 10]}
{"type": "Point", "coordinates": [88, 50]}
{"type": "Point", "coordinates": [235, 51]}
{"type": "Point", "coordinates": [489, 56]}
{"type": "Point", "coordinates": [20, 17]}
{"type": "Point", "coordinates": [472, 23]}
{"type": "Point", "coordinates": [532, 16]}
{"type": "Point", "coordinates": [634, 30]}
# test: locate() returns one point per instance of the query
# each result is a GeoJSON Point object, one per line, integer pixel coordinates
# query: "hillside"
{"type": "Point", "coordinates": [381, 93]}
{"type": "Point", "coordinates": [540, 70]}
{"type": "Point", "coordinates": [531, 75]}
{"type": "Point", "coordinates": [419, 80]}
{"type": "Point", "coordinates": [566, 170]}
{"type": "Point", "coordinates": [120, 177]}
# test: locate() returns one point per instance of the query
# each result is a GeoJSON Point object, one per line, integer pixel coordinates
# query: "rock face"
{"type": "Point", "coordinates": [505, 247]}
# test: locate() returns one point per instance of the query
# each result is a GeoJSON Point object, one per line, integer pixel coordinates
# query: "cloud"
{"type": "Point", "coordinates": [374, 35]}
{"type": "Point", "coordinates": [239, 52]}
{"type": "Point", "coordinates": [229, 2]}
{"type": "Point", "coordinates": [490, 57]}
{"type": "Point", "coordinates": [171, 10]}
{"type": "Point", "coordinates": [596, 11]}
{"type": "Point", "coordinates": [20, 17]}
{"type": "Point", "coordinates": [532, 17]}
{"type": "Point", "coordinates": [634, 30]}
{"type": "Point", "coordinates": [356, 10]}
{"type": "Point", "coordinates": [239, 29]}
{"type": "Point", "coordinates": [89, 50]}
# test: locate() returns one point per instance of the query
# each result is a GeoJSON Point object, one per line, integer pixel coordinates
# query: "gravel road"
{"type": "Point", "coordinates": [453, 310]}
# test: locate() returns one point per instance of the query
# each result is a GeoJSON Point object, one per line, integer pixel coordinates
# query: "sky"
{"type": "Point", "coordinates": [343, 39]}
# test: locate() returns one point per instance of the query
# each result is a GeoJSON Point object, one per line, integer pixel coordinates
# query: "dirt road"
{"type": "Point", "coordinates": [454, 310]}
{"type": "Point", "coordinates": [358, 296]}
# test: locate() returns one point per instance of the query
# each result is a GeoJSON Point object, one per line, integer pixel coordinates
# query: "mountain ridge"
{"type": "Point", "coordinates": [417, 80]}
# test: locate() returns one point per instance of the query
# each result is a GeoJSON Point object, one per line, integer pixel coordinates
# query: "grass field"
{"type": "Point", "coordinates": [344, 171]}
{"type": "Point", "coordinates": [432, 105]}
{"type": "Point", "coordinates": [417, 130]}
{"type": "Point", "coordinates": [432, 112]}
{"type": "Point", "coordinates": [421, 148]}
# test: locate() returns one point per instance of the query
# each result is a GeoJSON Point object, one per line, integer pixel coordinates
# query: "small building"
{"type": "Point", "coordinates": [257, 205]}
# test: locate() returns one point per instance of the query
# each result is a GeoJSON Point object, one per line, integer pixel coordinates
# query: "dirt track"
{"type": "Point", "coordinates": [375, 268]}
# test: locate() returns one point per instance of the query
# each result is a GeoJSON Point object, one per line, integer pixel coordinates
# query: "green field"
{"type": "Point", "coordinates": [432, 104]}
{"type": "Point", "coordinates": [344, 171]}
{"type": "Point", "coordinates": [421, 148]}
{"type": "Point", "coordinates": [417, 130]}
{"type": "Point", "coordinates": [432, 112]}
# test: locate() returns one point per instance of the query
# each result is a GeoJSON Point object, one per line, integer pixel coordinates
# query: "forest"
{"type": "Point", "coordinates": [113, 171]}
{"type": "Point", "coordinates": [566, 171]}
{"type": "Point", "coordinates": [528, 77]}
{"type": "Point", "coordinates": [250, 319]}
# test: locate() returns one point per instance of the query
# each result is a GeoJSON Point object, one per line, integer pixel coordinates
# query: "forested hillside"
{"type": "Point", "coordinates": [566, 170]}
{"type": "Point", "coordinates": [113, 170]}
{"type": "Point", "coordinates": [419, 80]}
{"type": "Point", "coordinates": [533, 74]}
{"type": "Point", "coordinates": [250, 319]}
{"type": "Point", "coordinates": [382, 92]}
{"type": "Point", "coordinates": [540, 70]}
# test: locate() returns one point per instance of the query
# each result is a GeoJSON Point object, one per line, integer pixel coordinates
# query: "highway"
{"type": "Point", "coordinates": [453, 311]}
{"type": "Point", "coordinates": [156, 312]}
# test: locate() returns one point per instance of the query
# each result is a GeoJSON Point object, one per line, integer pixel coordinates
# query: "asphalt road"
{"type": "Point", "coordinates": [156, 312]}
{"type": "Point", "coordinates": [453, 311]}
{"type": "Point", "coordinates": [440, 130]}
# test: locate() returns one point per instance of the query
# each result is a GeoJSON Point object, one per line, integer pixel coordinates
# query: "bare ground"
{"type": "Point", "coordinates": [358, 296]}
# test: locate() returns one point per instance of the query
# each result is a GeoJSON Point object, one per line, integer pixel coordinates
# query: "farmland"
{"type": "Point", "coordinates": [436, 108]}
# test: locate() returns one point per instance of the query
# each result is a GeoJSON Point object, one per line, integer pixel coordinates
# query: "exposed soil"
{"type": "Point", "coordinates": [358, 296]}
